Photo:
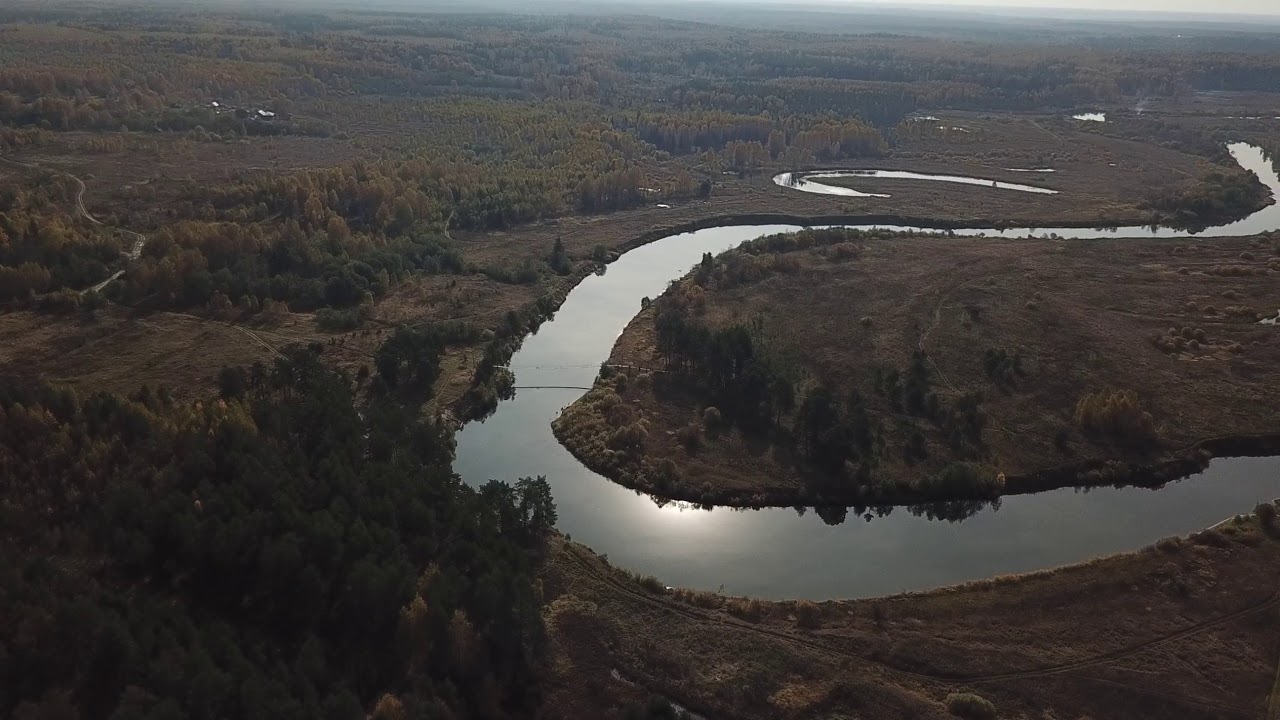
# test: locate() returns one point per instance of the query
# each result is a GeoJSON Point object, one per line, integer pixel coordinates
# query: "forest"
{"type": "Point", "coordinates": [275, 552]}
{"type": "Point", "coordinates": [474, 122]}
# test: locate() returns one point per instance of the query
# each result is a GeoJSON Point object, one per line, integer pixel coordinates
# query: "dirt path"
{"type": "Point", "coordinates": [134, 251]}
{"type": "Point", "coordinates": [937, 320]}
{"type": "Point", "coordinates": [1273, 700]}
{"type": "Point", "coordinates": [1098, 660]}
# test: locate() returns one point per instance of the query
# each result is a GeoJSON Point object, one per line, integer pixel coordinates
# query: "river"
{"type": "Point", "coordinates": [779, 553]}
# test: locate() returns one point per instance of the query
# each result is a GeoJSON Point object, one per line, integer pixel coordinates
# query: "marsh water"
{"type": "Point", "coordinates": [812, 181]}
{"type": "Point", "coordinates": [785, 553]}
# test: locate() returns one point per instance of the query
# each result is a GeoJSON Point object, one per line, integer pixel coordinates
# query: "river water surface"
{"type": "Point", "coordinates": [778, 552]}
{"type": "Point", "coordinates": [812, 181]}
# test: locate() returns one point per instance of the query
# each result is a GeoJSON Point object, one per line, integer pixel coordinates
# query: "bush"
{"type": "Point", "coordinates": [667, 472]}
{"type": "Point", "coordinates": [970, 706]}
{"type": "Point", "coordinates": [1116, 415]}
{"type": "Point", "coordinates": [690, 436]}
{"type": "Point", "coordinates": [620, 414]}
{"type": "Point", "coordinates": [652, 584]}
{"type": "Point", "coordinates": [808, 614]}
{"type": "Point", "coordinates": [631, 437]}
{"type": "Point", "coordinates": [963, 480]}
{"type": "Point", "coordinates": [711, 418]}
{"type": "Point", "coordinates": [335, 319]}
{"type": "Point", "coordinates": [1212, 536]}
{"type": "Point", "coordinates": [1266, 513]}
{"type": "Point", "coordinates": [746, 608]}
{"type": "Point", "coordinates": [1062, 440]}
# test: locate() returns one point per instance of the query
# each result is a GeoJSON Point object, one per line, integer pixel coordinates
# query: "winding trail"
{"type": "Point", "coordinates": [937, 320]}
{"type": "Point", "coordinates": [676, 608]}
{"type": "Point", "coordinates": [134, 251]}
{"type": "Point", "coordinates": [1273, 700]}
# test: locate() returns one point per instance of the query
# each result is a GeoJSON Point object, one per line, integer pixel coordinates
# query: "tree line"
{"type": "Point", "coordinates": [276, 552]}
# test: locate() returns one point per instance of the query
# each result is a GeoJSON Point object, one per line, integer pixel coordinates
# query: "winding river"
{"type": "Point", "coordinates": [780, 552]}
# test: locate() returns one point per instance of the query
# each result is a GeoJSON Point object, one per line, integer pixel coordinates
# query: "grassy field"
{"type": "Point", "coordinates": [1175, 323]}
{"type": "Point", "coordinates": [1101, 179]}
{"type": "Point", "coordinates": [1182, 629]}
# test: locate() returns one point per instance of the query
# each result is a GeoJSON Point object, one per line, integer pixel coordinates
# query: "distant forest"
{"type": "Point", "coordinates": [488, 121]}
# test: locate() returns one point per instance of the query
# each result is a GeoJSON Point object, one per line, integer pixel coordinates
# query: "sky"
{"type": "Point", "coordinates": [1198, 7]}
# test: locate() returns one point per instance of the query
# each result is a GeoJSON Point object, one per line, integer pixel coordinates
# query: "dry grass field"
{"type": "Point", "coordinates": [1101, 180]}
{"type": "Point", "coordinates": [1175, 322]}
{"type": "Point", "coordinates": [1181, 630]}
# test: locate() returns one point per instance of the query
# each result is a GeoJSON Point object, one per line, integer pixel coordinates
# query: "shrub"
{"type": "Point", "coordinates": [1266, 513]}
{"type": "Point", "coordinates": [963, 480]}
{"type": "Point", "coordinates": [1116, 415]}
{"type": "Point", "coordinates": [631, 437]}
{"type": "Point", "coordinates": [879, 615]}
{"type": "Point", "coordinates": [711, 418]}
{"type": "Point", "coordinates": [652, 584]}
{"type": "Point", "coordinates": [1212, 536]}
{"type": "Point", "coordinates": [333, 319]}
{"type": "Point", "coordinates": [690, 436]}
{"type": "Point", "coordinates": [745, 608]}
{"type": "Point", "coordinates": [667, 472]}
{"type": "Point", "coordinates": [620, 414]}
{"type": "Point", "coordinates": [808, 614]}
{"type": "Point", "coordinates": [389, 707]}
{"type": "Point", "coordinates": [1169, 544]}
{"type": "Point", "coordinates": [843, 251]}
{"type": "Point", "coordinates": [970, 706]}
{"type": "Point", "coordinates": [1062, 439]}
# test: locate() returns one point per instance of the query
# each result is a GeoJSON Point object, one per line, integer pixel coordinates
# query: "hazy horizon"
{"type": "Point", "coordinates": [1107, 9]}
